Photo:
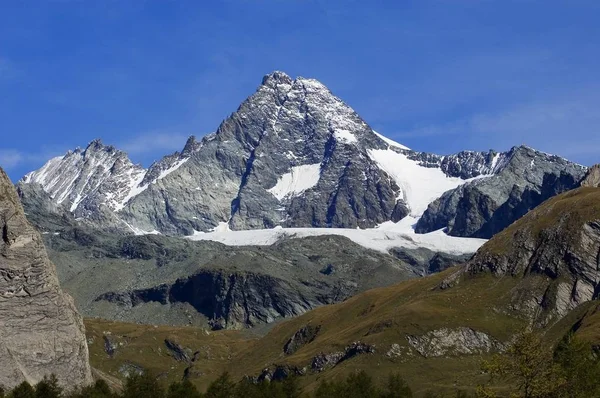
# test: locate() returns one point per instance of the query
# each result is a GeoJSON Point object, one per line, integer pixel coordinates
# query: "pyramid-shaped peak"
{"type": "Point", "coordinates": [276, 78]}
{"type": "Point", "coordinates": [96, 145]}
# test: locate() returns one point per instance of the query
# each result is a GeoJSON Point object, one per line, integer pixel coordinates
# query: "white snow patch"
{"type": "Point", "coordinates": [171, 169]}
{"type": "Point", "coordinates": [344, 135]}
{"type": "Point", "coordinates": [222, 227]}
{"type": "Point", "coordinates": [382, 238]}
{"type": "Point", "coordinates": [136, 179]}
{"type": "Point", "coordinates": [133, 189]}
{"type": "Point", "coordinates": [138, 231]}
{"type": "Point", "coordinates": [40, 175]}
{"type": "Point", "coordinates": [298, 180]}
{"type": "Point", "coordinates": [419, 185]}
{"type": "Point", "coordinates": [391, 142]}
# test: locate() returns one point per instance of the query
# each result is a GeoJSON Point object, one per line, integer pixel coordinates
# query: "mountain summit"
{"type": "Point", "coordinates": [292, 155]}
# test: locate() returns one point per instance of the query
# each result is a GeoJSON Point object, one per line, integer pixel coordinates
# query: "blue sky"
{"type": "Point", "coordinates": [436, 75]}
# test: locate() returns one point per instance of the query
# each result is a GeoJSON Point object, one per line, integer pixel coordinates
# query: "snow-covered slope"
{"type": "Point", "coordinates": [419, 185]}
{"type": "Point", "coordinates": [298, 180]}
{"type": "Point", "coordinates": [100, 175]}
{"type": "Point", "coordinates": [295, 155]}
{"type": "Point", "coordinates": [71, 179]}
{"type": "Point", "coordinates": [383, 238]}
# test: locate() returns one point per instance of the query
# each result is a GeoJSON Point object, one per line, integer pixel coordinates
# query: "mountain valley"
{"type": "Point", "coordinates": [297, 241]}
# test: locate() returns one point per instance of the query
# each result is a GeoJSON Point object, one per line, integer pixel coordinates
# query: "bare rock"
{"type": "Point", "coordinates": [460, 341]}
{"type": "Point", "coordinates": [592, 178]}
{"type": "Point", "coordinates": [110, 347]}
{"type": "Point", "coordinates": [178, 352]}
{"type": "Point", "coordinates": [40, 330]}
{"type": "Point", "coordinates": [560, 241]}
{"type": "Point", "coordinates": [324, 361]}
{"type": "Point", "coordinates": [302, 337]}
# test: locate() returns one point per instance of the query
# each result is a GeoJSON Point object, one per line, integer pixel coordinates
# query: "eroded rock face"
{"type": "Point", "coordinates": [178, 352]}
{"type": "Point", "coordinates": [302, 337]}
{"type": "Point", "coordinates": [459, 341]}
{"type": "Point", "coordinates": [324, 361]}
{"type": "Point", "coordinates": [555, 249]}
{"type": "Point", "coordinates": [486, 206]}
{"type": "Point", "coordinates": [592, 178]}
{"type": "Point", "coordinates": [40, 330]}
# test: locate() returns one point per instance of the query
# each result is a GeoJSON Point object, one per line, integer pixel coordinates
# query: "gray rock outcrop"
{"type": "Point", "coordinates": [40, 331]}
{"type": "Point", "coordinates": [484, 207]}
{"type": "Point", "coordinates": [325, 361]}
{"type": "Point", "coordinates": [453, 342]}
{"type": "Point", "coordinates": [295, 155]}
{"type": "Point", "coordinates": [592, 178]}
{"type": "Point", "coordinates": [555, 252]}
{"type": "Point", "coordinates": [303, 336]}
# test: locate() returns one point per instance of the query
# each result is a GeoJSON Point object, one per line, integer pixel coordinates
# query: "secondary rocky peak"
{"type": "Point", "coordinates": [96, 146]}
{"type": "Point", "coordinates": [40, 331]}
{"type": "Point", "coordinates": [592, 178]}
{"type": "Point", "coordinates": [559, 241]}
{"type": "Point", "coordinates": [191, 146]}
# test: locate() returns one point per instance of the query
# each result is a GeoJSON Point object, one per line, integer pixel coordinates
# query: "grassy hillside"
{"type": "Point", "coordinates": [389, 320]}
{"type": "Point", "coordinates": [567, 212]}
{"type": "Point", "coordinates": [380, 317]}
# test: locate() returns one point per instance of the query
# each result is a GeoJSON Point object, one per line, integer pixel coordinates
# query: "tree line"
{"type": "Point", "coordinates": [528, 369]}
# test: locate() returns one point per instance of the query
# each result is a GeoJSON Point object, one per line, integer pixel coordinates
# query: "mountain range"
{"type": "Point", "coordinates": [296, 208]}
{"type": "Point", "coordinates": [295, 155]}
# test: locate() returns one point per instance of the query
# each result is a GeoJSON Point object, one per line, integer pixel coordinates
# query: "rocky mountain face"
{"type": "Point", "coordinates": [165, 280]}
{"type": "Point", "coordinates": [295, 155]}
{"type": "Point", "coordinates": [555, 249]}
{"type": "Point", "coordinates": [592, 178]}
{"type": "Point", "coordinates": [40, 330]}
{"type": "Point", "coordinates": [486, 206]}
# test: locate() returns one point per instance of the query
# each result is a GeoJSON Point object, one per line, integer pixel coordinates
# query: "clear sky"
{"type": "Point", "coordinates": [435, 75]}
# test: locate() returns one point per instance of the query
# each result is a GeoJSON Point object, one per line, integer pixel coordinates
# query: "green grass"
{"type": "Point", "coordinates": [381, 317]}
{"type": "Point", "coordinates": [143, 345]}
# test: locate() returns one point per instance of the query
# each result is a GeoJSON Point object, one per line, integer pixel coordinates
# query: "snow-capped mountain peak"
{"type": "Point", "coordinates": [103, 175]}
{"type": "Point", "coordinates": [292, 155]}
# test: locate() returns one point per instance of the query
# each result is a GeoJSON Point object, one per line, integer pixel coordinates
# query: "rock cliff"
{"type": "Point", "coordinates": [295, 155]}
{"type": "Point", "coordinates": [554, 250]}
{"type": "Point", "coordinates": [40, 330]}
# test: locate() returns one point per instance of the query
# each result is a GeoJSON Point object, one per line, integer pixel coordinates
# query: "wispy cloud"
{"type": "Point", "coordinates": [10, 158]}
{"type": "Point", "coordinates": [568, 126]}
{"type": "Point", "coordinates": [156, 142]}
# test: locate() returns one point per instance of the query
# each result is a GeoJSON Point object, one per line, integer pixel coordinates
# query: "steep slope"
{"type": "Point", "coordinates": [540, 272]}
{"type": "Point", "coordinates": [524, 179]}
{"type": "Point", "coordinates": [159, 280]}
{"type": "Point", "coordinates": [292, 155]}
{"type": "Point", "coordinates": [40, 330]}
{"type": "Point", "coordinates": [555, 249]}
{"type": "Point", "coordinates": [592, 178]}
{"type": "Point", "coordinates": [96, 183]}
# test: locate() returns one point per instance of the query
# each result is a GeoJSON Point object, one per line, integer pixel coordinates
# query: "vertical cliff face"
{"type": "Point", "coordinates": [40, 330]}
{"type": "Point", "coordinates": [592, 178]}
